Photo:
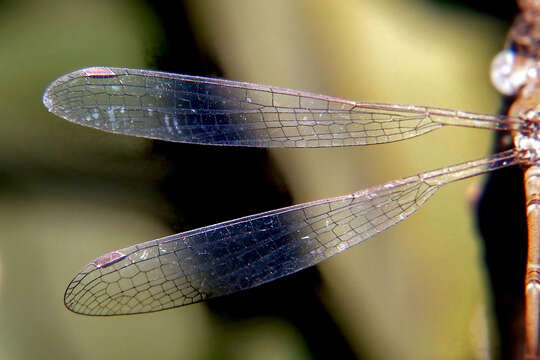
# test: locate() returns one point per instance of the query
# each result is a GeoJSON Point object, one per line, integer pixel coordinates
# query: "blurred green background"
{"type": "Point", "coordinates": [70, 194]}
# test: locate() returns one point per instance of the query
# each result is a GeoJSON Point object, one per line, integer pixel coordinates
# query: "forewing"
{"type": "Point", "coordinates": [203, 110]}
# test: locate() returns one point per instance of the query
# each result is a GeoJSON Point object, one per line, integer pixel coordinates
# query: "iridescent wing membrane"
{"type": "Point", "coordinates": [202, 110]}
{"type": "Point", "coordinates": [236, 255]}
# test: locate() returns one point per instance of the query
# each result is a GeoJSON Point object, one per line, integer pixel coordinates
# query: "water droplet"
{"type": "Point", "coordinates": [506, 74]}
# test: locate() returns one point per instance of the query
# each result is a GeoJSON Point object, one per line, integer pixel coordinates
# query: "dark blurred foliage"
{"type": "Point", "coordinates": [504, 10]}
{"type": "Point", "coordinates": [502, 224]}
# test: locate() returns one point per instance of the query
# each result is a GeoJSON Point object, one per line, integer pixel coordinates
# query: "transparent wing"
{"type": "Point", "coordinates": [203, 110]}
{"type": "Point", "coordinates": [221, 259]}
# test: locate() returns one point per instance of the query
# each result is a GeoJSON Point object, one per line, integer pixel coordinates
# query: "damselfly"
{"type": "Point", "coordinates": [235, 255]}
